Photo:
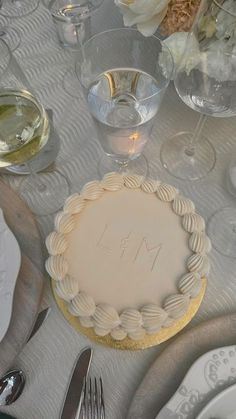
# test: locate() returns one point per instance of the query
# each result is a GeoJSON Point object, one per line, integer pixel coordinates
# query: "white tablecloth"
{"type": "Point", "coordinates": [47, 360]}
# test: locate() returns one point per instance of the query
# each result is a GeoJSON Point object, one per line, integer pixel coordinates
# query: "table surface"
{"type": "Point", "coordinates": [48, 358]}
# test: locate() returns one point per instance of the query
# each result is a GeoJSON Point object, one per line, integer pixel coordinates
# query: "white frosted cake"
{"type": "Point", "coordinates": [128, 255]}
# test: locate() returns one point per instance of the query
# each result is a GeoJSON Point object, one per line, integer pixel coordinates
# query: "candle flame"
{"type": "Point", "coordinates": [134, 136]}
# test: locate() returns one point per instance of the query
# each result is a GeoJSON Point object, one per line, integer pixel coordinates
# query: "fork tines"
{"type": "Point", "coordinates": [93, 400]}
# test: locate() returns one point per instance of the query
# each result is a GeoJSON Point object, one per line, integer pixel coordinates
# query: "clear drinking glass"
{"type": "Point", "coordinates": [206, 82]}
{"type": "Point", "coordinates": [24, 129]}
{"type": "Point", "coordinates": [124, 85]}
{"type": "Point", "coordinates": [17, 8]}
{"type": "Point", "coordinates": [72, 19]}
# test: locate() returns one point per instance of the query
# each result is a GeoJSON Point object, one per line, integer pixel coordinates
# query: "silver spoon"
{"type": "Point", "coordinates": [13, 382]}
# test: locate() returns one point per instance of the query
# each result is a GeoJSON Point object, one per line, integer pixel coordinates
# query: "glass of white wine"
{"type": "Point", "coordinates": [24, 131]}
{"type": "Point", "coordinates": [17, 8]}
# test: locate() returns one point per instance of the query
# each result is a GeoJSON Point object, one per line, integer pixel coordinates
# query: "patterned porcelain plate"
{"type": "Point", "coordinates": [208, 376]}
{"type": "Point", "coordinates": [223, 406]}
{"type": "Point", "coordinates": [10, 260]}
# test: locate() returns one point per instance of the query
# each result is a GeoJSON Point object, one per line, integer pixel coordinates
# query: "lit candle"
{"type": "Point", "coordinates": [128, 143]}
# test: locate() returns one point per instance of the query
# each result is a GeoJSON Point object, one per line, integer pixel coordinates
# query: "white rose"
{"type": "Point", "coordinates": [185, 52]}
{"type": "Point", "coordinates": [146, 14]}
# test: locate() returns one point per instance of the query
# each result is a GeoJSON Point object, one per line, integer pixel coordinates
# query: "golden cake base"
{"type": "Point", "coordinates": [128, 344]}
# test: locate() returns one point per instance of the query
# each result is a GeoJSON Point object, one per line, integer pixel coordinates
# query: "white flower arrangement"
{"type": "Point", "coordinates": [146, 14]}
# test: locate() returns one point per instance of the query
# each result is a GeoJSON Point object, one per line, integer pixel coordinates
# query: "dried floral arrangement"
{"type": "Point", "coordinates": [169, 16]}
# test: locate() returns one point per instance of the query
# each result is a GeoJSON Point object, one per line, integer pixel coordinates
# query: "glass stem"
{"type": "Point", "coordinates": [40, 187]}
{"type": "Point", "coordinates": [190, 150]}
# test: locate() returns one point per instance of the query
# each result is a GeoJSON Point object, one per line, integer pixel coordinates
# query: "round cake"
{"type": "Point", "coordinates": [128, 255]}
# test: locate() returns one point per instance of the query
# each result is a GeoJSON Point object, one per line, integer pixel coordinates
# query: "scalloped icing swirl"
{"type": "Point", "coordinates": [199, 242]}
{"type": "Point", "coordinates": [92, 190]}
{"type": "Point", "coordinates": [190, 284]}
{"type": "Point", "coordinates": [57, 267]}
{"type": "Point", "coordinates": [166, 192]}
{"type": "Point", "coordinates": [67, 288]}
{"type": "Point", "coordinates": [176, 305]}
{"type": "Point", "coordinates": [131, 320]}
{"type": "Point", "coordinates": [56, 243]}
{"type": "Point", "coordinates": [118, 333]}
{"type": "Point", "coordinates": [150, 186]}
{"type": "Point", "coordinates": [113, 182]}
{"type": "Point", "coordinates": [182, 206]}
{"type": "Point", "coordinates": [196, 262]}
{"type": "Point", "coordinates": [103, 318]}
{"type": "Point", "coordinates": [106, 317]}
{"type": "Point", "coordinates": [154, 317]}
{"type": "Point", "coordinates": [133, 181]}
{"type": "Point", "coordinates": [83, 305]}
{"type": "Point", "coordinates": [193, 223]}
{"type": "Point", "coordinates": [74, 204]}
{"type": "Point", "coordinates": [64, 223]}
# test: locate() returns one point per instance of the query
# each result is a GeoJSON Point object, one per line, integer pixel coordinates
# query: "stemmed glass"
{"type": "Point", "coordinates": [9, 34]}
{"type": "Point", "coordinates": [72, 20]}
{"type": "Point", "coordinates": [206, 82]}
{"type": "Point", "coordinates": [25, 130]}
{"type": "Point", "coordinates": [124, 85]}
{"type": "Point", "coordinates": [17, 8]}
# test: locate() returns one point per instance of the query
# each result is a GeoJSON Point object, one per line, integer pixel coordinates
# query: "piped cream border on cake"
{"type": "Point", "coordinates": [103, 318]}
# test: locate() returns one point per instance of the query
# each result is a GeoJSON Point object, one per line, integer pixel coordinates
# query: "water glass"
{"type": "Point", "coordinates": [124, 85]}
{"type": "Point", "coordinates": [72, 20]}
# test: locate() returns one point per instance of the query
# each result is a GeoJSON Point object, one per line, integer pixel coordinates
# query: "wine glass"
{"type": "Point", "coordinates": [25, 130]}
{"type": "Point", "coordinates": [124, 85]}
{"type": "Point", "coordinates": [9, 34]}
{"type": "Point", "coordinates": [17, 8]}
{"type": "Point", "coordinates": [206, 82]}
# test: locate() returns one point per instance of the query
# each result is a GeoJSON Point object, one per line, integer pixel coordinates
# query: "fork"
{"type": "Point", "coordinates": [93, 400]}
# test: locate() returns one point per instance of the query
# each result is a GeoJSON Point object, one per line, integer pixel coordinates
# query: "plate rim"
{"type": "Point", "coordinates": [216, 398]}
{"type": "Point", "coordinates": [217, 332]}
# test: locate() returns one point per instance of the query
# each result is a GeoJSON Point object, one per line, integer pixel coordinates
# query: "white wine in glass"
{"type": "Point", "coordinates": [24, 127]}
{"type": "Point", "coordinates": [24, 131]}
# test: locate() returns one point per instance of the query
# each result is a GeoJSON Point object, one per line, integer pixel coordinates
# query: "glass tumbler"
{"type": "Point", "coordinates": [124, 85]}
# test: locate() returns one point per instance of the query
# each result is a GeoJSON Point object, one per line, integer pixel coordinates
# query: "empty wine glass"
{"type": "Point", "coordinates": [206, 82]}
{"type": "Point", "coordinates": [17, 8]}
{"type": "Point", "coordinates": [9, 34]}
{"type": "Point", "coordinates": [124, 85]}
{"type": "Point", "coordinates": [25, 130]}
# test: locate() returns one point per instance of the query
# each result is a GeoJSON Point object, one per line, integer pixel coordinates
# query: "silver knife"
{"type": "Point", "coordinates": [73, 399]}
{"type": "Point", "coordinates": [39, 321]}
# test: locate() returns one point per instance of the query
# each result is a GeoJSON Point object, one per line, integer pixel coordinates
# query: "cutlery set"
{"type": "Point", "coordinates": [82, 396]}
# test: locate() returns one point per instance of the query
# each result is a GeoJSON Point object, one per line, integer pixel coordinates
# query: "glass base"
{"type": "Point", "coordinates": [11, 36]}
{"type": "Point", "coordinates": [231, 179]}
{"type": "Point", "coordinates": [43, 159]}
{"type": "Point", "coordinates": [181, 163]}
{"type": "Point", "coordinates": [138, 166]}
{"type": "Point", "coordinates": [71, 83]}
{"type": "Point", "coordinates": [222, 231]}
{"type": "Point", "coordinates": [45, 193]}
{"type": "Point", "coordinates": [18, 8]}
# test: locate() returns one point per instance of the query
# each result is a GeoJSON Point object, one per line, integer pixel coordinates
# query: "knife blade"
{"type": "Point", "coordinates": [72, 402]}
{"type": "Point", "coordinates": [39, 321]}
